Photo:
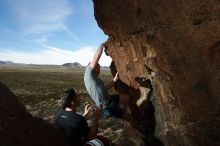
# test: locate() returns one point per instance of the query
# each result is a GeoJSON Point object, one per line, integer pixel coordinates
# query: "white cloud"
{"type": "Point", "coordinates": [39, 19]}
{"type": "Point", "coordinates": [79, 43]}
{"type": "Point", "coordinates": [53, 55]}
{"type": "Point", "coordinates": [41, 16]}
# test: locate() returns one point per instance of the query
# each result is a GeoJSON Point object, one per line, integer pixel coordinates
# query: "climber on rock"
{"type": "Point", "coordinates": [74, 126]}
{"type": "Point", "coordinates": [112, 105]}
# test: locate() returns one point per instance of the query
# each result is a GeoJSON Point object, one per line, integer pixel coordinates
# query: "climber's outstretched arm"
{"type": "Point", "coordinates": [97, 56]}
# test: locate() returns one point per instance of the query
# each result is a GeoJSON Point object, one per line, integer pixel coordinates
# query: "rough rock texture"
{"type": "Point", "coordinates": [175, 44]}
{"type": "Point", "coordinates": [19, 128]}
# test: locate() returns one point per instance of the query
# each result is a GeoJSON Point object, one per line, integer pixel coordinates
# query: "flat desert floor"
{"type": "Point", "coordinates": [39, 89]}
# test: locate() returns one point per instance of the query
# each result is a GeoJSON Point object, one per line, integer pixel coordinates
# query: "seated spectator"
{"type": "Point", "coordinates": [72, 124]}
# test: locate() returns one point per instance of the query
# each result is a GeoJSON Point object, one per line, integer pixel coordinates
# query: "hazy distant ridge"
{"type": "Point", "coordinates": [67, 65]}
{"type": "Point", "coordinates": [6, 62]}
{"type": "Point", "coordinates": [75, 64]}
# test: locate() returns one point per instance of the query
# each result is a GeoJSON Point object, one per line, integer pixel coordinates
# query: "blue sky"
{"type": "Point", "coordinates": [49, 31]}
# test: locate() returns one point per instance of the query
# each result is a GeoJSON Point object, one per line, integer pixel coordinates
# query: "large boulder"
{"type": "Point", "coordinates": [175, 44]}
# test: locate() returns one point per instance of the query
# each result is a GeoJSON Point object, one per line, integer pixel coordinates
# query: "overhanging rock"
{"type": "Point", "coordinates": [175, 44]}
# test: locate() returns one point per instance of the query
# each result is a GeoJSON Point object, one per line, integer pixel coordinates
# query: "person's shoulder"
{"type": "Point", "coordinates": [88, 70]}
{"type": "Point", "coordinates": [61, 111]}
{"type": "Point", "coordinates": [60, 114]}
{"type": "Point", "coordinates": [88, 67]}
{"type": "Point", "coordinates": [67, 113]}
{"type": "Point", "coordinates": [81, 119]}
{"type": "Point", "coordinates": [73, 116]}
{"type": "Point", "coordinates": [77, 115]}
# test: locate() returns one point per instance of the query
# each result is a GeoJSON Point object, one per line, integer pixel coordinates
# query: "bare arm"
{"type": "Point", "coordinates": [86, 110]}
{"type": "Point", "coordinates": [97, 56]}
{"type": "Point", "coordinates": [94, 127]}
{"type": "Point", "coordinates": [111, 84]}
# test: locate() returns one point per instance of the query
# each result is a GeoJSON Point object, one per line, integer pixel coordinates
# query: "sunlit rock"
{"type": "Point", "coordinates": [175, 44]}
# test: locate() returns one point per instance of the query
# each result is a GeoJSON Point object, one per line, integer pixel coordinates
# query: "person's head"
{"type": "Point", "coordinates": [70, 98]}
{"type": "Point", "coordinates": [97, 69]}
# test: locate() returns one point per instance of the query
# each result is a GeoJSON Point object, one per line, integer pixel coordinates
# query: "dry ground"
{"type": "Point", "coordinates": [39, 89]}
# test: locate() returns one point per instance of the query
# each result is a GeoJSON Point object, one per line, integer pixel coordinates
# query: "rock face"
{"type": "Point", "coordinates": [175, 44]}
{"type": "Point", "coordinates": [19, 128]}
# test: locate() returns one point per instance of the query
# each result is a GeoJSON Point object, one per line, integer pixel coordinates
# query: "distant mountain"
{"type": "Point", "coordinates": [74, 65]}
{"type": "Point", "coordinates": [7, 62]}
{"type": "Point", "coordinates": [68, 65]}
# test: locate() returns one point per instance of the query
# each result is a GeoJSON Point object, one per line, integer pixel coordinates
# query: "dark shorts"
{"type": "Point", "coordinates": [114, 100]}
{"type": "Point", "coordinates": [112, 109]}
